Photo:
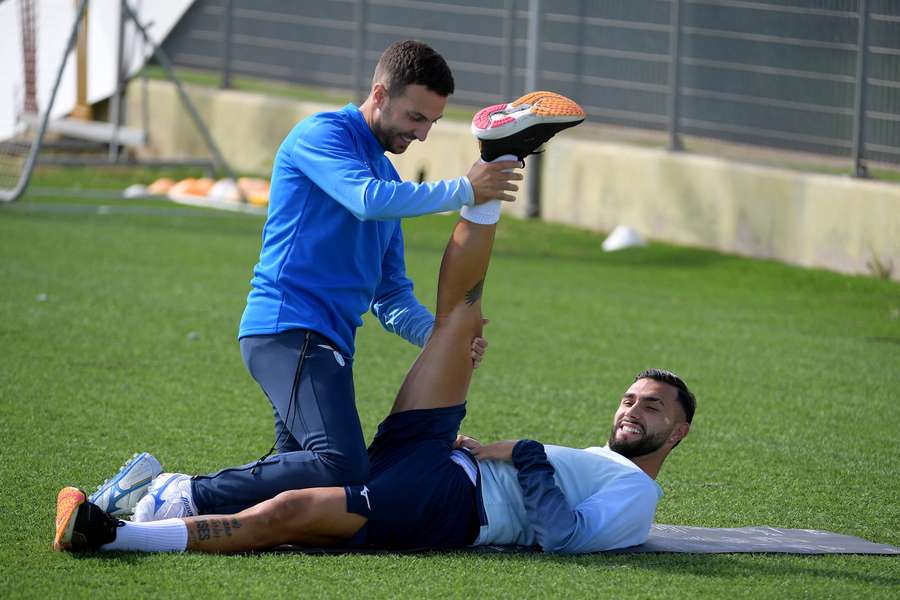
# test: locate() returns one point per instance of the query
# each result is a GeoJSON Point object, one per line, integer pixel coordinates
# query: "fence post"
{"type": "Point", "coordinates": [360, 89]}
{"type": "Point", "coordinates": [859, 102]}
{"type": "Point", "coordinates": [115, 107]}
{"type": "Point", "coordinates": [509, 16]}
{"type": "Point", "coordinates": [675, 76]}
{"type": "Point", "coordinates": [226, 44]}
{"type": "Point", "coordinates": [532, 81]}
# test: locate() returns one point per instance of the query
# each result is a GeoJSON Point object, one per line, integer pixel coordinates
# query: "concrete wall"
{"type": "Point", "coordinates": [813, 220]}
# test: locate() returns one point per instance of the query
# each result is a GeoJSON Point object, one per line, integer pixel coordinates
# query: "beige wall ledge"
{"type": "Point", "coordinates": [812, 220]}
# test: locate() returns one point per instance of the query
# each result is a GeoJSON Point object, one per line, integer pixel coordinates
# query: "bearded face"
{"type": "Point", "coordinates": [646, 419]}
{"type": "Point", "coordinates": [406, 117]}
{"type": "Point", "coordinates": [629, 440]}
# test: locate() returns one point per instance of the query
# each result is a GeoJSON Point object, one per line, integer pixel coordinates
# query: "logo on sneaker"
{"type": "Point", "coordinates": [365, 494]}
{"type": "Point", "coordinates": [119, 494]}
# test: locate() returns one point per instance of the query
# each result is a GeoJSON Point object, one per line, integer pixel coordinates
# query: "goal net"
{"type": "Point", "coordinates": [27, 107]}
{"type": "Point", "coordinates": [62, 58]}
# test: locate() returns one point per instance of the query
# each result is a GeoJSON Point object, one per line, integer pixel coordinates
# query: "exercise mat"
{"type": "Point", "coordinates": [695, 540]}
{"type": "Point", "coordinates": [709, 540]}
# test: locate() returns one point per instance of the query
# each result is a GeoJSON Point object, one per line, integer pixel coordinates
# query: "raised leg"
{"type": "Point", "coordinates": [315, 517]}
{"type": "Point", "coordinates": [441, 374]}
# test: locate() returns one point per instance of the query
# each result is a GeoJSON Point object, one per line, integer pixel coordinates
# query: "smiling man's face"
{"type": "Point", "coordinates": [646, 419]}
{"type": "Point", "coordinates": [404, 118]}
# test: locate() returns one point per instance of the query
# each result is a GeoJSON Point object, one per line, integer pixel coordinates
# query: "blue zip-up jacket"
{"type": "Point", "coordinates": [332, 247]}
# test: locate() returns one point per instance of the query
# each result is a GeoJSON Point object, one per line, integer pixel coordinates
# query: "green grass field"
{"type": "Point", "coordinates": [117, 329]}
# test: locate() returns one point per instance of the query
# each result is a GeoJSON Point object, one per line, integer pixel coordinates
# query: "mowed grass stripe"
{"type": "Point", "coordinates": [134, 348]}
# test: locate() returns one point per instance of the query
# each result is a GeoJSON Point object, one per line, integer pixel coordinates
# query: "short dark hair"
{"type": "Point", "coordinates": [685, 397]}
{"type": "Point", "coordinates": [413, 63]}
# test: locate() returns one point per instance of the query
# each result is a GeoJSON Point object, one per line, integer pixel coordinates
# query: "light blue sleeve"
{"type": "Point", "coordinates": [618, 516]}
{"type": "Point", "coordinates": [395, 303]}
{"type": "Point", "coordinates": [326, 155]}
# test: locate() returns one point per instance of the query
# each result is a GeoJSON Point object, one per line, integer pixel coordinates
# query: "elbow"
{"type": "Point", "coordinates": [363, 213]}
{"type": "Point", "coordinates": [555, 548]}
{"type": "Point", "coordinates": [369, 213]}
{"type": "Point", "coordinates": [556, 545]}
{"type": "Point", "coordinates": [561, 540]}
{"type": "Point", "coordinates": [372, 204]}
{"type": "Point", "coordinates": [363, 208]}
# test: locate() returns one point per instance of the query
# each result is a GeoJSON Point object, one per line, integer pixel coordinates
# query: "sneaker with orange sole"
{"type": "Point", "coordinates": [522, 126]}
{"type": "Point", "coordinates": [81, 526]}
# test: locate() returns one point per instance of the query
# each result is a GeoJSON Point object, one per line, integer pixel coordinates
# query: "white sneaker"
{"type": "Point", "coordinates": [169, 497]}
{"type": "Point", "coordinates": [119, 495]}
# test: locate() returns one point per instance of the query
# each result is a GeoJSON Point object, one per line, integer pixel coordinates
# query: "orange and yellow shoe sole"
{"type": "Point", "coordinates": [503, 120]}
{"type": "Point", "coordinates": [550, 104]}
{"type": "Point", "coordinates": [68, 501]}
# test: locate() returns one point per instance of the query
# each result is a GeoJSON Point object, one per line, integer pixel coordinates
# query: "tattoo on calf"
{"type": "Point", "coordinates": [206, 529]}
{"type": "Point", "coordinates": [473, 295]}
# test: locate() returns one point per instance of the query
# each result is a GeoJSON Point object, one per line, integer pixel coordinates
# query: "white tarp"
{"type": "Point", "coordinates": [53, 23]}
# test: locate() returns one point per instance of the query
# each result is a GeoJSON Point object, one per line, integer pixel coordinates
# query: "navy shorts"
{"type": "Point", "coordinates": [416, 497]}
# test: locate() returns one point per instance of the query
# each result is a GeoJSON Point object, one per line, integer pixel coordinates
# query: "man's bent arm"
{"type": "Point", "coordinates": [395, 304]}
{"type": "Point", "coordinates": [619, 516]}
{"type": "Point", "coordinates": [326, 156]}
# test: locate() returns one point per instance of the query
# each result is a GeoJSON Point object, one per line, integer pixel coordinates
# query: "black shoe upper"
{"type": "Point", "coordinates": [524, 142]}
{"type": "Point", "coordinates": [93, 528]}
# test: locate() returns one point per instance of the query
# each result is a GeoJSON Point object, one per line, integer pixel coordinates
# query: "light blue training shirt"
{"type": "Point", "coordinates": [567, 501]}
{"type": "Point", "coordinates": [332, 247]}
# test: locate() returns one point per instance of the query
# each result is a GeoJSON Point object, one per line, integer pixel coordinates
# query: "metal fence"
{"type": "Point", "coordinates": [819, 76]}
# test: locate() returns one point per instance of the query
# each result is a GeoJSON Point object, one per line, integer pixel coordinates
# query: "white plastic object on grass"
{"type": "Point", "coordinates": [136, 190]}
{"type": "Point", "coordinates": [622, 237]}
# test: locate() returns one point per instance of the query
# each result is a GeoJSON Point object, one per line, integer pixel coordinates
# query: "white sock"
{"type": "Point", "coordinates": [168, 535]}
{"type": "Point", "coordinates": [487, 213]}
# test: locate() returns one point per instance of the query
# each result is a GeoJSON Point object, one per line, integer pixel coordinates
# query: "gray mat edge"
{"type": "Point", "coordinates": [682, 539]}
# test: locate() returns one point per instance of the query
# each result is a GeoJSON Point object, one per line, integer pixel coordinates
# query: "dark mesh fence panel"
{"type": "Point", "coordinates": [781, 74]}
